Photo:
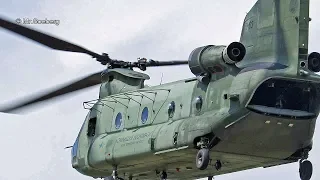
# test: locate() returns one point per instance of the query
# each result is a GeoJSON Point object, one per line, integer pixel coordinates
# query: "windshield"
{"type": "Point", "coordinates": [74, 149]}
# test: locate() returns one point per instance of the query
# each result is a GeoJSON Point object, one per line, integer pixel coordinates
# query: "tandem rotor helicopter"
{"type": "Point", "coordinates": [252, 103]}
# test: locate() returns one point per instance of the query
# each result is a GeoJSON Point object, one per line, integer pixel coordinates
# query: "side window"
{"type": "Point", "coordinates": [118, 121]}
{"type": "Point", "coordinates": [171, 109]}
{"type": "Point", "coordinates": [92, 127]}
{"type": "Point", "coordinates": [198, 103]}
{"type": "Point", "coordinates": [144, 115]}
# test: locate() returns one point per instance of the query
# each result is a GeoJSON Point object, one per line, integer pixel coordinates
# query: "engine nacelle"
{"type": "Point", "coordinates": [209, 59]}
{"type": "Point", "coordinates": [314, 62]}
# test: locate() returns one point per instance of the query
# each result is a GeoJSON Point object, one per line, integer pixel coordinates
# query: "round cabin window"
{"type": "Point", "coordinates": [171, 109]}
{"type": "Point", "coordinates": [198, 103]}
{"type": "Point", "coordinates": [144, 115]}
{"type": "Point", "coordinates": [118, 120]}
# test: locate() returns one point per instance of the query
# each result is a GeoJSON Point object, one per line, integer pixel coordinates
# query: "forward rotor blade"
{"type": "Point", "coordinates": [83, 83]}
{"type": "Point", "coordinates": [45, 39]}
{"type": "Point", "coordinates": [165, 63]}
{"type": "Point", "coordinates": [142, 64]}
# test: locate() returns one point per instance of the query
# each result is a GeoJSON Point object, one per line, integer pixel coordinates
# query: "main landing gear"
{"type": "Point", "coordinates": [203, 157]}
{"type": "Point", "coordinates": [305, 167]}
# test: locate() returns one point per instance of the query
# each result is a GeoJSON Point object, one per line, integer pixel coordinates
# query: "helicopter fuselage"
{"type": "Point", "coordinates": [252, 104]}
{"type": "Point", "coordinates": [257, 118]}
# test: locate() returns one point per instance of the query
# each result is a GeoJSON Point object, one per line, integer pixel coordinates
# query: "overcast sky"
{"type": "Point", "coordinates": [32, 145]}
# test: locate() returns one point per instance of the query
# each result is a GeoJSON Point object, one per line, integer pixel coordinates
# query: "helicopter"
{"type": "Point", "coordinates": [252, 103]}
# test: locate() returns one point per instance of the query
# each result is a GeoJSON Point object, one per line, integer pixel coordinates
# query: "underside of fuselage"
{"type": "Point", "coordinates": [253, 141]}
{"type": "Point", "coordinates": [249, 143]}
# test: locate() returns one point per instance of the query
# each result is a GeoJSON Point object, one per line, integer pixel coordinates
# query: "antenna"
{"type": "Point", "coordinates": [68, 147]}
{"type": "Point", "coordinates": [161, 78]}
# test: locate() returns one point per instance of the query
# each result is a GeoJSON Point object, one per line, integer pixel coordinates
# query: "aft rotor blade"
{"type": "Point", "coordinates": [83, 83]}
{"type": "Point", "coordinates": [45, 39]}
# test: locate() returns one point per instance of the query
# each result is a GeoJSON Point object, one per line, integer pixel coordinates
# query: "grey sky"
{"type": "Point", "coordinates": [32, 145]}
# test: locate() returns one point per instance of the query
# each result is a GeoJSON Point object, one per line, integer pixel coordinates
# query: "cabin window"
{"type": "Point", "coordinates": [118, 120]}
{"type": "Point", "coordinates": [171, 109]}
{"type": "Point", "coordinates": [198, 103]}
{"type": "Point", "coordinates": [144, 115]}
{"type": "Point", "coordinates": [92, 127]}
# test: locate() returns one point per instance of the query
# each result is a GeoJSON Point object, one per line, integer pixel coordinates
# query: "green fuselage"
{"type": "Point", "coordinates": [258, 112]}
{"type": "Point", "coordinates": [247, 127]}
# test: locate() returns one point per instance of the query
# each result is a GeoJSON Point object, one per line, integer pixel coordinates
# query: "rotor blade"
{"type": "Point", "coordinates": [165, 63]}
{"type": "Point", "coordinates": [47, 40]}
{"type": "Point", "coordinates": [83, 83]}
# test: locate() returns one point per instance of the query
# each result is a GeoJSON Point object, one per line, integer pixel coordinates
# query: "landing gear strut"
{"type": "Point", "coordinates": [218, 165]}
{"type": "Point", "coordinates": [114, 175]}
{"type": "Point", "coordinates": [163, 175]}
{"type": "Point", "coordinates": [305, 167]}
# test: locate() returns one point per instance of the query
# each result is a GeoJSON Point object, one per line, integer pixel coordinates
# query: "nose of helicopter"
{"type": "Point", "coordinates": [74, 157]}
{"type": "Point", "coordinates": [74, 152]}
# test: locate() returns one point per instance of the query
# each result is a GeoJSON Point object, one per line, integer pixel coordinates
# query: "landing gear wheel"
{"type": "Point", "coordinates": [163, 175]}
{"type": "Point", "coordinates": [305, 170]}
{"type": "Point", "coordinates": [202, 159]}
{"type": "Point", "coordinates": [210, 177]}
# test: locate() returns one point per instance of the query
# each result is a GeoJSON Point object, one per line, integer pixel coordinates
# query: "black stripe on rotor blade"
{"type": "Point", "coordinates": [44, 39]}
{"type": "Point", "coordinates": [165, 63]}
{"type": "Point", "coordinates": [83, 83]}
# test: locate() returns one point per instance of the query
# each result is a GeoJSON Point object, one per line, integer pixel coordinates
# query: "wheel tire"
{"type": "Point", "coordinates": [202, 159]}
{"type": "Point", "coordinates": [305, 170]}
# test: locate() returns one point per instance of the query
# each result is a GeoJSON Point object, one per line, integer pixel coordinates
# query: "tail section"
{"type": "Point", "coordinates": [275, 32]}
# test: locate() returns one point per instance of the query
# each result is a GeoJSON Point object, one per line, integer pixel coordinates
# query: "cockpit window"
{"type": "Point", "coordinates": [74, 149]}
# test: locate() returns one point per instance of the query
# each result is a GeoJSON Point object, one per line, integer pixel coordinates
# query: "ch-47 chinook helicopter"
{"type": "Point", "coordinates": [252, 103]}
